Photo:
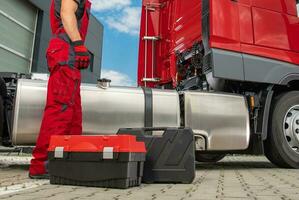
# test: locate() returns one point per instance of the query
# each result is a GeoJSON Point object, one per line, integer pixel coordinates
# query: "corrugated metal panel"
{"type": "Point", "coordinates": [17, 25]}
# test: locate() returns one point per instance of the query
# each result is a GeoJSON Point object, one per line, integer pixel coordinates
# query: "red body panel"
{"type": "Point", "coordinates": [265, 28]}
{"type": "Point", "coordinates": [226, 35]}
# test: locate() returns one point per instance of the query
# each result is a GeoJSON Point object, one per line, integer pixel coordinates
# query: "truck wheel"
{"type": "Point", "coordinates": [282, 144]}
{"type": "Point", "coordinates": [201, 157]}
{"type": "Point", "coordinates": [1, 118]}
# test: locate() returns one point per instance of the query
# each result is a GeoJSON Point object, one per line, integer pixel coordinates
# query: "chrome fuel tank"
{"type": "Point", "coordinates": [104, 110]}
{"type": "Point", "coordinates": [222, 118]}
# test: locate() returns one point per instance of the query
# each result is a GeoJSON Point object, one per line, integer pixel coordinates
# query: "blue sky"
{"type": "Point", "coordinates": [121, 20]}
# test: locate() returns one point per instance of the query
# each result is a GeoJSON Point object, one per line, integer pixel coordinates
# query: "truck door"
{"type": "Point", "coordinates": [276, 29]}
{"type": "Point", "coordinates": [225, 27]}
{"type": "Point", "coordinates": [270, 29]}
{"type": "Point", "coordinates": [275, 24]}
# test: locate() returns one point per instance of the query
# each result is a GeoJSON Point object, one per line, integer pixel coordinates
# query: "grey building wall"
{"type": "Point", "coordinates": [94, 43]}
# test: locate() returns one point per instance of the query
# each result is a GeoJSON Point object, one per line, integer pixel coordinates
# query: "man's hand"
{"type": "Point", "coordinates": [70, 24]}
{"type": "Point", "coordinates": [81, 55]}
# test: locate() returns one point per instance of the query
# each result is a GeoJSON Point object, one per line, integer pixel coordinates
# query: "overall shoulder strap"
{"type": "Point", "coordinates": [85, 20]}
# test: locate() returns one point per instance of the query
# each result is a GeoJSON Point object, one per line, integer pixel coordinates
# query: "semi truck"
{"type": "Point", "coordinates": [227, 69]}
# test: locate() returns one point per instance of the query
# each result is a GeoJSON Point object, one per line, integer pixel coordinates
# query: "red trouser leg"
{"type": "Point", "coordinates": [76, 127]}
{"type": "Point", "coordinates": [59, 113]}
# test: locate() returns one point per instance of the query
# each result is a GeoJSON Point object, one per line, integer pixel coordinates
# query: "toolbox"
{"type": "Point", "coordinates": [100, 161]}
{"type": "Point", "coordinates": [170, 156]}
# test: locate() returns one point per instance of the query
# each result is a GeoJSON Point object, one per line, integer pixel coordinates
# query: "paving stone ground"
{"type": "Point", "coordinates": [235, 178]}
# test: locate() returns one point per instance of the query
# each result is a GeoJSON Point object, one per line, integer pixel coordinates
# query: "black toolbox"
{"type": "Point", "coordinates": [170, 157]}
{"type": "Point", "coordinates": [99, 161]}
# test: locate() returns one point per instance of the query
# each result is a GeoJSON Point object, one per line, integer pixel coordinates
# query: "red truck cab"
{"type": "Point", "coordinates": [267, 30]}
{"type": "Point", "coordinates": [241, 47]}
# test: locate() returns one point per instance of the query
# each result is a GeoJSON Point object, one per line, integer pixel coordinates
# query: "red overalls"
{"type": "Point", "coordinates": [63, 112]}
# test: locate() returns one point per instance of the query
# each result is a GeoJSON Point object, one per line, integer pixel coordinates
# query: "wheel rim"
{"type": "Point", "coordinates": [291, 128]}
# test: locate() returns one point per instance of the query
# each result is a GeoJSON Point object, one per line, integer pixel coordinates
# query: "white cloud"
{"type": "Point", "coordinates": [117, 78]}
{"type": "Point", "coordinates": [120, 15]}
{"type": "Point", "coordinates": [102, 5]}
{"type": "Point", "coordinates": [128, 21]}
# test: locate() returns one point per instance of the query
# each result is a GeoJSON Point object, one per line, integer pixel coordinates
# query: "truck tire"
{"type": "Point", "coordinates": [282, 144]}
{"type": "Point", "coordinates": [202, 157]}
{"type": "Point", "coordinates": [1, 118]}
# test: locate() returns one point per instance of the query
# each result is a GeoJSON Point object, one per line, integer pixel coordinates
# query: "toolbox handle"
{"type": "Point", "coordinates": [147, 130]}
{"type": "Point", "coordinates": [150, 130]}
{"type": "Point", "coordinates": [155, 128]}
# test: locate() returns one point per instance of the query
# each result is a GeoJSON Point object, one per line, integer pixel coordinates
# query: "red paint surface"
{"type": "Point", "coordinates": [75, 143]}
{"type": "Point", "coordinates": [178, 25]}
{"type": "Point", "coordinates": [225, 26]}
{"type": "Point", "coordinates": [266, 28]}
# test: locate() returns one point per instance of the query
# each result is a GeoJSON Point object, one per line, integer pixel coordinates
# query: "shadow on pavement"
{"type": "Point", "coordinates": [236, 165]}
{"type": "Point", "coordinates": [20, 167]}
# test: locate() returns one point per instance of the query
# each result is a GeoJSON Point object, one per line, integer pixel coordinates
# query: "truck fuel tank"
{"type": "Point", "coordinates": [222, 118]}
{"type": "Point", "coordinates": [104, 110]}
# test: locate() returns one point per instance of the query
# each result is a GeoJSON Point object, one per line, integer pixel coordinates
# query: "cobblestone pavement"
{"type": "Point", "coordinates": [236, 177]}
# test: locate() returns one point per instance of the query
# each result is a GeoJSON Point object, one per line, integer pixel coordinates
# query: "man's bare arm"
{"type": "Point", "coordinates": [69, 20]}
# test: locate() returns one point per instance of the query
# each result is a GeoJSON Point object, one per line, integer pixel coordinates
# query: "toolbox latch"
{"type": "Point", "coordinates": [108, 153]}
{"type": "Point", "coordinates": [58, 153]}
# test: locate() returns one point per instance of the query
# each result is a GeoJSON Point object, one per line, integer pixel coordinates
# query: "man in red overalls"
{"type": "Point", "coordinates": [66, 56]}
